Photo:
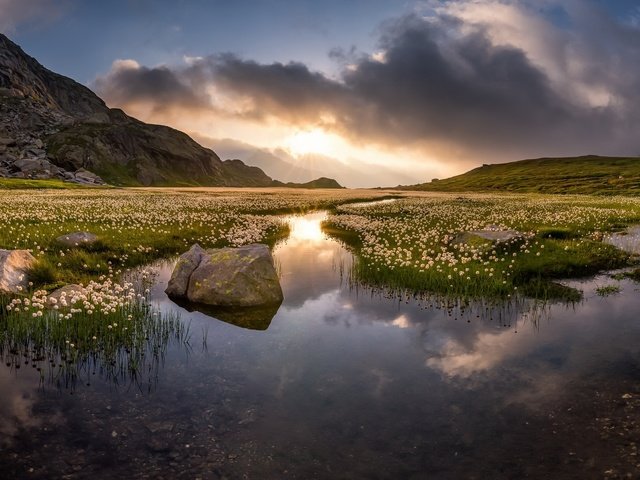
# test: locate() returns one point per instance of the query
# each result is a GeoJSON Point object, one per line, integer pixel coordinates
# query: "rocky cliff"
{"type": "Point", "coordinates": [53, 127]}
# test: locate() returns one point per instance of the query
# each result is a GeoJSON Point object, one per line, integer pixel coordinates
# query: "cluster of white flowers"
{"type": "Point", "coordinates": [105, 297]}
{"type": "Point", "coordinates": [31, 219]}
{"type": "Point", "coordinates": [424, 233]}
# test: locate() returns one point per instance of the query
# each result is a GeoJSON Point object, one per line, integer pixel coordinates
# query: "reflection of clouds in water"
{"type": "Point", "coordinates": [327, 307]}
{"type": "Point", "coordinates": [539, 362]}
{"type": "Point", "coordinates": [401, 321]}
{"type": "Point", "coordinates": [309, 273]}
{"type": "Point", "coordinates": [19, 394]}
{"type": "Point", "coordinates": [489, 349]}
{"type": "Point", "coordinates": [310, 263]}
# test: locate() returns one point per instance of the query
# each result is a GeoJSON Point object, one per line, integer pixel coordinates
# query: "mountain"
{"type": "Point", "coordinates": [280, 164]}
{"type": "Point", "coordinates": [322, 182]}
{"type": "Point", "coordinates": [54, 127]}
{"type": "Point", "coordinates": [590, 174]}
{"type": "Point", "coordinates": [275, 164]}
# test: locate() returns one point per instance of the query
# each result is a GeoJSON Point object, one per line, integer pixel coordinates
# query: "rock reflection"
{"type": "Point", "coordinates": [252, 318]}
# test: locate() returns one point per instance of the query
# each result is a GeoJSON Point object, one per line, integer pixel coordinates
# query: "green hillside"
{"type": "Point", "coordinates": [589, 175]}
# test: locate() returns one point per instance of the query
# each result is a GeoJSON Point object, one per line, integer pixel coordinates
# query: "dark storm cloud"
{"type": "Point", "coordinates": [289, 91]}
{"type": "Point", "coordinates": [442, 82]}
{"type": "Point", "coordinates": [433, 85]}
{"type": "Point", "coordinates": [163, 88]}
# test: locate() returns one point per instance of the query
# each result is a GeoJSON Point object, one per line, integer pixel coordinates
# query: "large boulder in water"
{"type": "Point", "coordinates": [227, 277]}
{"type": "Point", "coordinates": [14, 268]}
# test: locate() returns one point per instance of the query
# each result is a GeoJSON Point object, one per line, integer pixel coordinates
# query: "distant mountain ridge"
{"type": "Point", "coordinates": [322, 182]}
{"type": "Point", "coordinates": [590, 174]}
{"type": "Point", "coordinates": [54, 127]}
{"type": "Point", "coordinates": [281, 164]}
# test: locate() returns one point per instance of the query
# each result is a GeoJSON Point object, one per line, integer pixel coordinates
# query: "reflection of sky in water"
{"type": "Point", "coordinates": [358, 381]}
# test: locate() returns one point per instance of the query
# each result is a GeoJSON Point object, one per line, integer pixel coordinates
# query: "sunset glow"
{"type": "Point", "coordinates": [418, 90]}
{"type": "Point", "coordinates": [311, 141]}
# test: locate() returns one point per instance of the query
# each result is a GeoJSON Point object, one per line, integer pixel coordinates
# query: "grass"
{"type": "Point", "coordinates": [575, 175]}
{"type": "Point", "coordinates": [420, 244]}
{"type": "Point", "coordinates": [21, 184]}
{"type": "Point", "coordinates": [122, 339]}
{"type": "Point", "coordinates": [136, 227]}
{"type": "Point", "coordinates": [607, 290]}
{"type": "Point", "coordinates": [414, 243]}
{"type": "Point", "coordinates": [632, 274]}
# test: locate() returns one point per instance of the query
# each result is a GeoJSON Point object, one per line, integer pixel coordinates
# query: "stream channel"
{"type": "Point", "coordinates": [345, 382]}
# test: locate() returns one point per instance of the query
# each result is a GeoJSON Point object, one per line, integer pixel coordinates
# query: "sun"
{"type": "Point", "coordinates": [305, 229]}
{"type": "Point", "coordinates": [304, 142]}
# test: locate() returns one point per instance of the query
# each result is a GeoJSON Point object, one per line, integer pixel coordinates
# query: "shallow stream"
{"type": "Point", "coordinates": [344, 382]}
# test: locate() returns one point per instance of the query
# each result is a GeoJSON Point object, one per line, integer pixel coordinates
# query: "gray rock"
{"type": "Point", "coordinates": [76, 239]}
{"type": "Point", "coordinates": [240, 277]}
{"type": "Point", "coordinates": [187, 263]}
{"type": "Point", "coordinates": [85, 176]}
{"type": "Point", "coordinates": [36, 152]}
{"type": "Point", "coordinates": [14, 270]}
{"type": "Point", "coordinates": [29, 165]}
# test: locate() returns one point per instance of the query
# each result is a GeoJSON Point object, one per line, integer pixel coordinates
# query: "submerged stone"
{"type": "Point", "coordinates": [227, 277]}
{"type": "Point", "coordinates": [14, 269]}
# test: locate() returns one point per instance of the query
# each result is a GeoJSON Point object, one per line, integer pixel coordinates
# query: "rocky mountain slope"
{"type": "Point", "coordinates": [53, 127]}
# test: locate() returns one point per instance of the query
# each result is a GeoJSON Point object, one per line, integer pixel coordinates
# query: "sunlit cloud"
{"type": "Point", "coordinates": [454, 85]}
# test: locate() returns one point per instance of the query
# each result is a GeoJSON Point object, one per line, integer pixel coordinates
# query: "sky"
{"type": "Point", "coordinates": [395, 91]}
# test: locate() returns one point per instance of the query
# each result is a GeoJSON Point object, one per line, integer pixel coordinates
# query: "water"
{"type": "Point", "coordinates": [628, 240]}
{"type": "Point", "coordinates": [348, 383]}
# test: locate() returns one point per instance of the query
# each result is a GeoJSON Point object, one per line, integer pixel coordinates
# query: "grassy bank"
{"type": "Point", "coordinates": [592, 175]}
{"type": "Point", "coordinates": [137, 226]}
{"type": "Point", "coordinates": [420, 243]}
{"type": "Point", "coordinates": [21, 184]}
{"type": "Point", "coordinates": [104, 328]}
